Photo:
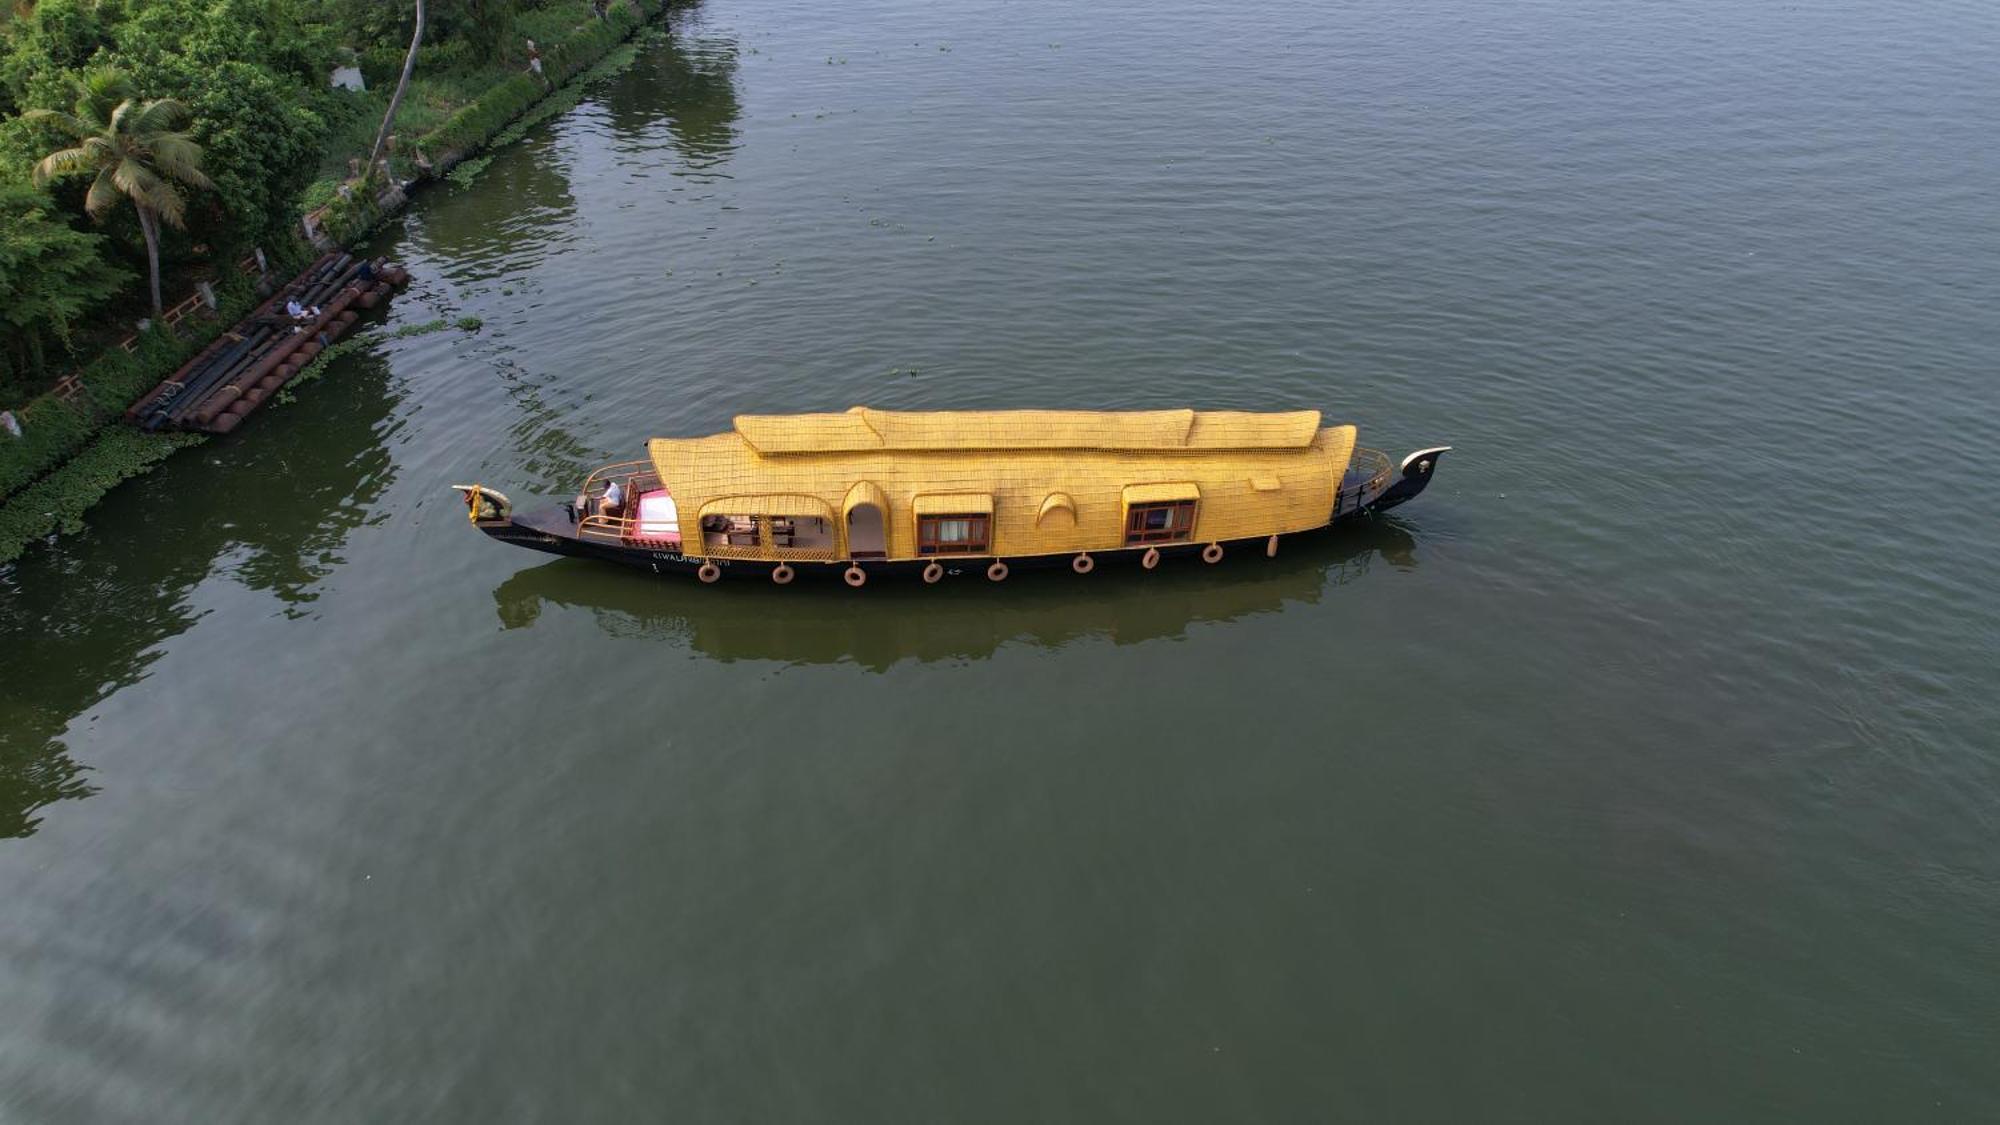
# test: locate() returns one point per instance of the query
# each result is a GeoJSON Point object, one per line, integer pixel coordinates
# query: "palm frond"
{"type": "Point", "coordinates": [68, 123]}
{"type": "Point", "coordinates": [135, 179]}
{"type": "Point", "coordinates": [169, 204]}
{"type": "Point", "coordinates": [179, 158]}
{"type": "Point", "coordinates": [161, 116]}
{"type": "Point", "coordinates": [63, 162]}
{"type": "Point", "coordinates": [144, 187]}
{"type": "Point", "coordinates": [103, 195]}
{"type": "Point", "coordinates": [100, 90]}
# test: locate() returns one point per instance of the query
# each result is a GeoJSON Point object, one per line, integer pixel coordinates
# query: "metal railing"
{"type": "Point", "coordinates": [1366, 477]}
{"type": "Point", "coordinates": [633, 477]}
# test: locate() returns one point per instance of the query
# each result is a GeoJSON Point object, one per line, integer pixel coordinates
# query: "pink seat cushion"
{"type": "Point", "coordinates": [659, 517]}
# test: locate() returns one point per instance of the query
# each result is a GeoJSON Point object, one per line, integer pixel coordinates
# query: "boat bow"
{"type": "Point", "coordinates": [1417, 470]}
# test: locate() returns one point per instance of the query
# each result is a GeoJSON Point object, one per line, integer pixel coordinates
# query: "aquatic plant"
{"type": "Point", "coordinates": [56, 503]}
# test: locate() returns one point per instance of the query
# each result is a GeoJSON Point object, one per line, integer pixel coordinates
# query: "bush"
{"type": "Point", "coordinates": [477, 123]}
{"type": "Point", "coordinates": [380, 66]}
{"type": "Point", "coordinates": [319, 193]}
{"type": "Point", "coordinates": [51, 430]}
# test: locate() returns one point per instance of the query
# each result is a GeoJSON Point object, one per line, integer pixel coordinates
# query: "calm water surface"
{"type": "Point", "coordinates": [1645, 769]}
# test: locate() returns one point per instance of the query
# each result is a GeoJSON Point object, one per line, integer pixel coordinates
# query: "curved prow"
{"type": "Point", "coordinates": [1417, 470]}
{"type": "Point", "coordinates": [485, 505]}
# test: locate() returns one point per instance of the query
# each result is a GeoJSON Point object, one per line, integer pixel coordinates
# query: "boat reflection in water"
{"type": "Point", "coordinates": [887, 624]}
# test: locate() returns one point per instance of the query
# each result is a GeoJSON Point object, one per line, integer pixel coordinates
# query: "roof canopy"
{"type": "Point", "coordinates": [1161, 493]}
{"type": "Point", "coordinates": [953, 504]}
{"type": "Point", "coordinates": [864, 430]}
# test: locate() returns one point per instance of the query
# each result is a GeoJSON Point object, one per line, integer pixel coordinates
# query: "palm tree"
{"type": "Point", "coordinates": [396, 99]}
{"type": "Point", "coordinates": [136, 151]}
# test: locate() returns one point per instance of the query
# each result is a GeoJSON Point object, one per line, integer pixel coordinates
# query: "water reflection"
{"type": "Point", "coordinates": [106, 601]}
{"type": "Point", "coordinates": [685, 81]}
{"type": "Point", "coordinates": [521, 206]}
{"type": "Point", "coordinates": [894, 622]}
{"type": "Point", "coordinates": [289, 511]}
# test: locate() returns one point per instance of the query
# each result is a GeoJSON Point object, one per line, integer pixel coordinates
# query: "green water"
{"type": "Point", "coordinates": [1642, 769]}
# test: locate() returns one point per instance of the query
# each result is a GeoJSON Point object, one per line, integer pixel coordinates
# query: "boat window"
{"type": "Point", "coordinates": [953, 534]}
{"type": "Point", "coordinates": [1169, 521]}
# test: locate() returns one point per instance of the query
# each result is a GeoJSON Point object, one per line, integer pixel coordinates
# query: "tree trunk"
{"type": "Point", "coordinates": [395, 99]}
{"type": "Point", "coordinates": [150, 224]}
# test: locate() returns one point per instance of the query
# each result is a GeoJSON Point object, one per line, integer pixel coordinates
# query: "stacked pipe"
{"type": "Point", "coordinates": [172, 396]}
{"type": "Point", "coordinates": [176, 407]}
{"type": "Point", "coordinates": [232, 376]}
{"type": "Point", "coordinates": [285, 361]}
{"type": "Point", "coordinates": [331, 298]}
{"type": "Point", "coordinates": [274, 331]}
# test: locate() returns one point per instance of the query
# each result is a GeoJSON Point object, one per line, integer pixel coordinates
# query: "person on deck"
{"type": "Point", "coordinates": [614, 501]}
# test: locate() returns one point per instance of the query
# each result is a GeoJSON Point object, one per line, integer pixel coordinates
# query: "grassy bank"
{"type": "Point", "coordinates": [447, 127]}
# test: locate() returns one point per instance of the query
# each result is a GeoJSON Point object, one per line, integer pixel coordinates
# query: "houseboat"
{"type": "Point", "coordinates": [873, 493]}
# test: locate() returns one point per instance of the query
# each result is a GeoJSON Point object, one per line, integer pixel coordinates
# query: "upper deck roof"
{"type": "Point", "coordinates": [862, 430]}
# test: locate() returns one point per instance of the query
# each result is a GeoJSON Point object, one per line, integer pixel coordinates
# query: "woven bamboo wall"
{"type": "Point", "coordinates": [1091, 457]}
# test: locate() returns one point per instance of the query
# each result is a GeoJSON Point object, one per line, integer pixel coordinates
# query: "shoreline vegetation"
{"type": "Point", "coordinates": [466, 97]}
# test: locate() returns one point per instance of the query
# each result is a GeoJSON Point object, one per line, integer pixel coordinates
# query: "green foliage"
{"type": "Point", "coordinates": [51, 430]}
{"type": "Point", "coordinates": [58, 501]}
{"type": "Point", "coordinates": [44, 49]}
{"type": "Point", "coordinates": [50, 277]}
{"type": "Point", "coordinates": [466, 171]}
{"type": "Point", "coordinates": [359, 24]}
{"type": "Point", "coordinates": [319, 193]}
{"type": "Point", "coordinates": [423, 329]}
{"type": "Point", "coordinates": [485, 25]}
{"type": "Point", "coordinates": [262, 150]}
{"type": "Point", "coordinates": [255, 81]}
{"type": "Point", "coordinates": [382, 65]}
{"type": "Point", "coordinates": [132, 148]}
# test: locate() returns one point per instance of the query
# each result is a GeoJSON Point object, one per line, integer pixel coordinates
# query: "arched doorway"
{"type": "Point", "coordinates": [866, 533]}
{"type": "Point", "coordinates": [866, 511]}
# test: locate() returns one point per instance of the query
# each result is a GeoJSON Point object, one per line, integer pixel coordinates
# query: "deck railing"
{"type": "Point", "coordinates": [1366, 477]}
{"type": "Point", "coordinates": [633, 477]}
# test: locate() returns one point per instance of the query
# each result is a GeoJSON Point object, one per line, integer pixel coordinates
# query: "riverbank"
{"type": "Point", "coordinates": [476, 126]}
{"type": "Point", "coordinates": [71, 452]}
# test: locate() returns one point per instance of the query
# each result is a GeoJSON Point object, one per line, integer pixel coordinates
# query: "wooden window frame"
{"type": "Point", "coordinates": [1177, 530]}
{"type": "Point", "coordinates": [929, 544]}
